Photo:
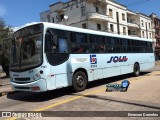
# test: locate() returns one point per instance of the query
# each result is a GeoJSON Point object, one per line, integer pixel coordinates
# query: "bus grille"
{"type": "Point", "coordinates": [21, 80]}
{"type": "Point", "coordinates": [24, 88]}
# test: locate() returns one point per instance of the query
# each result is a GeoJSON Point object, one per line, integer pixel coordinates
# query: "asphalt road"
{"type": "Point", "coordinates": [143, 95]}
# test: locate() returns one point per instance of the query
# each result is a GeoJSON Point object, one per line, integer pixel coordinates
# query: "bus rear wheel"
{"type": "Point", "coordinates": [136, 70]}
{"type": "Point", "coordinates": [79, 81]}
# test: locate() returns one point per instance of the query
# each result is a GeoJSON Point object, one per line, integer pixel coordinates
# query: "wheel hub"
{"type": "Point", "coordinates": [80, 81]}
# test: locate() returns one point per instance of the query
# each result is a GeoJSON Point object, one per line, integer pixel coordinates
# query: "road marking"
{"type": "Point", "coordinates": [68, 100]}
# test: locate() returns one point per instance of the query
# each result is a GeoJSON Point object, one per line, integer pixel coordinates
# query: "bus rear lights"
{"type": "Point", "coordinates": [35, 88]}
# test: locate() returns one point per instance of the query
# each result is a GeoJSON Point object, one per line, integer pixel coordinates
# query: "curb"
{"type": "Point", "coordinates": [5, 89]}
{"type": "Point", "coordinates": [157, 62]}
{"type": "Point", "coordinates": [4, 85]}
{"type": "Point", "coordinates": [2, 94]}
{"type": "Point", "coordinates": [5, 92]}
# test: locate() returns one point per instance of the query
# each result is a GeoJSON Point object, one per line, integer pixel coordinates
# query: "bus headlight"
{"type": "Point", "coordinates": [37, 76]}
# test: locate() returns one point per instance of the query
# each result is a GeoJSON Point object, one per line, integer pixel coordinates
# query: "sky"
{"type": "Point", "coordinates": [19, 12]}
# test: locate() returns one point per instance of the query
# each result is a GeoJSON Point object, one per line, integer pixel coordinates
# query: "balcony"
{"type": "Point", "coordinates": [97, 16]}
{"type": "Point", "coordinates": [132, 23]}
{"type": "Point", "coordinates": [153, 30]}
{"type": "Point", "coordinates": [157, 36]}
{"type": "Point", "coordinates": [157, 27]}
{"type": "Point", "coordinates": [133, 34]}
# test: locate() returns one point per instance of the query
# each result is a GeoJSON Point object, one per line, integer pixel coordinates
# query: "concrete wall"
{"type": "Point", "coordinates": [43, 16]}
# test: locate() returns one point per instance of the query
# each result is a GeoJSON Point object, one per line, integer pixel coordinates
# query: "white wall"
{"type": "Point", "coordinates": [143, 28]}
{"type": "Point", "coordinates": [93, 25]}
{"type": "Point", "coordinates": [113, 20]}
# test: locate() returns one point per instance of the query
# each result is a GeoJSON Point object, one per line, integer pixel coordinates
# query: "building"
{"type": "Point", "coordinates": [101, 15]}
{"type": "Point", "coordinates": [156, 25]}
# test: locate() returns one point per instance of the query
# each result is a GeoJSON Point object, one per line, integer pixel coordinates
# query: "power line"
{"type": "Point", "coordinates": [138, 2]}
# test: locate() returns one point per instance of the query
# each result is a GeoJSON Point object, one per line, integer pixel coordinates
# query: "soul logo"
{"type": "Point", "coordinates": [118, 59]}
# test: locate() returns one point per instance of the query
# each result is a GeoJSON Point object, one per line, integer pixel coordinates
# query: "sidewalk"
{"type": "Point", "coordinates": [4, 84]}
{"type": "Point", "coordinates": [158, 62]}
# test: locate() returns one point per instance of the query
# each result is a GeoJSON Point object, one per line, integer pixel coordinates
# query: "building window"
{"type": "Point", "coordinates": [155, 23]}
{"type": "Point", "coordinates": [61, 17]}
{"type": "Point", "coordinates": [123, 16]}
{"type": "Point", "coordinates": [84, 25]}
{"type": "Point", "coordinates": [83, 11]}
{"type": "Point", "coordinates": [53, 19]}
{"type": "Point", "coordinates": [143, 34]}
{"type": "Point", "coordinates": [142, 23]}
{"type": "Point", "coordinates": [98, 26]}
{"type": "Point", "coordinates": [129, 32]}
{"type": "Point", "coordinates": [149, 24]}
{"type": "Point", "coordinates": [150, 35]}
{"type": "Point", "coordinates": [110, 13]}
{"type": "Point", "coordinates": [124, 30]}
{"type": "Point", "coordinates": [97, 9]}
{"type": "Point", "coordinates": [111, 27]}
{"type": "Point", "coordinates": [48, 18]}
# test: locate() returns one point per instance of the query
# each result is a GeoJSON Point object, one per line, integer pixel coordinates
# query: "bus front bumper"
{"type": "Point", "coordinates": [36, 86]}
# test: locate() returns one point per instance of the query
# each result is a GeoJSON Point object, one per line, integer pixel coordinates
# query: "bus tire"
{"type": "Point", "coordinates": [136, 70]}
{"type": "Point", "coordinates": [79, 81]}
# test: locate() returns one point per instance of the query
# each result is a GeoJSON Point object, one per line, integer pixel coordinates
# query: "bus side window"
{"type": "Point", "coordinates": [62, 45]}
{"type": "Point", "coordinates": [48, 46]}
{"type": "Point", "coordinates": [92, 48]}
{"type": "Point", "coordinates": [102, 48]}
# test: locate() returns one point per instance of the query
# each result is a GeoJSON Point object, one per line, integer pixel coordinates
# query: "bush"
{"type": "Point", "coordinates": [5, 44]}
{"type": "Point", "coordinates": [4, 60]}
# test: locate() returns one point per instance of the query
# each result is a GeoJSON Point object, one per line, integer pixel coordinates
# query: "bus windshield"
{"type": "Point", "coordinates": [26, 49]}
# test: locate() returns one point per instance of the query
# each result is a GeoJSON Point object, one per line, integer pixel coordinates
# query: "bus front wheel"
{"type": "Point", "coordinates": [79, 81]}
{"type": "Point", "coordinates": [136, 69]}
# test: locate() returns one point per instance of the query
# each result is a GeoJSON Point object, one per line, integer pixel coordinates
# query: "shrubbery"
{"type": "Point", "coordinates": [5, 43]}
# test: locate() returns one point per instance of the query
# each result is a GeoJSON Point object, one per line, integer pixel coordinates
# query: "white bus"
{"type": "Point", "coordinates": [47, 56]}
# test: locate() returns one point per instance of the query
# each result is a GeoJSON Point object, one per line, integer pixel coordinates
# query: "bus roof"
{"type": "Point", "coordinates": [81, 30]}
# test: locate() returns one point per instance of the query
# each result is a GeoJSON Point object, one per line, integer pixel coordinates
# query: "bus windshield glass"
{"type": "Point", "coordinates": [26, 49]}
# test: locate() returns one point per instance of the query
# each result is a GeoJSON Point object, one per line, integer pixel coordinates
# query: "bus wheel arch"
{"type": "Point", "coordinates": [136, 69]}
{"type": "Point", "coordinates": [80, 79]}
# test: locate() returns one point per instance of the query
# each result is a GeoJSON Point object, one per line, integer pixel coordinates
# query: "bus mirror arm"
{"type": "Point", "coordinates": [54, 40]}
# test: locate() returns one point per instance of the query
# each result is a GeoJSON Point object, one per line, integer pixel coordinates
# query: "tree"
{"type": "Point", "coordinates": [5, 43]}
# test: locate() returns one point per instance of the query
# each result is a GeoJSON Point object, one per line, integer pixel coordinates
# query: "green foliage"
{"type": "Point", "coordinates": [5, 43]}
